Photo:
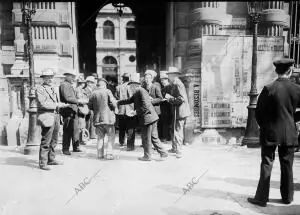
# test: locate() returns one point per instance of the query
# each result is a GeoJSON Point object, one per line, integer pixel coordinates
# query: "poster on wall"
{"type": "Point", "coordinates": [226, 76]}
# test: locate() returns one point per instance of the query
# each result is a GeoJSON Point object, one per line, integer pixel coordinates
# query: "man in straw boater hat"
{"type": "Point", "coordinates": [48, 118]}
{"type": "Point", "coordinates": [103, 103]}
{"type": "Point", "coordinates": [147, 118]}
{"type": "Point", "coordinates": [181, 109]}
{"type": "Point", "coordinates": [126, 115]}
{"type": "Point", "coordinates": [275, 111]}
{"type": "Point", "coordinates": [70, 113]}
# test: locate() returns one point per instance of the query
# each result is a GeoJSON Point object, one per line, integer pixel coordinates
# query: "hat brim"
{"type": "Point", "coordinates": [67, 73]}
{"type": "Point", "coordinates": [46, 75]}
{"type": "Point", "coordinates": [134, 82]}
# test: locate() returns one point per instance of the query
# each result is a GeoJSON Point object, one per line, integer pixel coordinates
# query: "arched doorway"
{"type": "Point", "coordinates": [110, 69]}
{"type": "Point", "coordinates": [148, 30]}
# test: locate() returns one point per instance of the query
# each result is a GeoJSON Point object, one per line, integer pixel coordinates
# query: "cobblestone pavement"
{"type": "Point", "coordinates": [221, 178]}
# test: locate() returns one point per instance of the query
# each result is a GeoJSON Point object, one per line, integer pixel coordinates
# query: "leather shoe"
{"type": "Point", "coordinates": [66, 152]}
{"type": "Point", "coordinates": [257, 202]}
{"type": "Point", "coordinates": [178, 155]}
{"type": "Point", "coordinates": [77, 150]}
{"type": "Point", "coordinates": [172, 151]}
{"type": "Point", "coordinates": [130, 149]}
{"type": "Point", "coordinates": [55, 163]}
{"type": "Point", "coordinates": [144, 159]}
{"type": "Point", "coordinates": [164, 155]}
{"type": "Point", "coordinates": [287, 202]}
{"type": "Point", "coordinates": [45, 168]}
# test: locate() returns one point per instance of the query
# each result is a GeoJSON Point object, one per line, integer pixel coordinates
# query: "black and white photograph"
{"type": "Point", "coordinates": [144, 107]}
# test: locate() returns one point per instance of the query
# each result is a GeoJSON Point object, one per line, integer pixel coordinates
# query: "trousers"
{"type": "Point", "coordinates": [70, 132]}
{"type": "Point", "coordinates": [90, 125]}
{"type": "Point", "coordinates": [286, 158]}
{"type": "Point", "coordinates": [105, 147]}
{"type": "Point", "coordinates": [49, 142]}
{"type": "Point", "coordinates": [127, 126]}
{"type": "Point", "coordinates": [178, 135]}
{"type": "Point", "coordinates": [150, 136]}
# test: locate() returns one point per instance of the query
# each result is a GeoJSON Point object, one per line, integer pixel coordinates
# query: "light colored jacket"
{"type": "Point", "coordinates": [46, 103]}
{"type": "Point", "coordinates": [104, 104]}
{"type": "Point", "coordinates": [123, 92]}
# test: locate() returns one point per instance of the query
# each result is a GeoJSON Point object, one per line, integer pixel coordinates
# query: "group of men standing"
{"type": "Point", "coordinates": [92, 106]}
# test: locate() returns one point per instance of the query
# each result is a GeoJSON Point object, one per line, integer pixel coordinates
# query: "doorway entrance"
{"type": "Point", "coordinates": [150, 35]}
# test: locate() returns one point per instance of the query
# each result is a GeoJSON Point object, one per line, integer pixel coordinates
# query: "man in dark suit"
{"type": "Point", "coordinates": [70, 113]}
{"type": "Point", "coordinates": [154, 90]}
{"type": "Point", "coordinates": [147, 118]}
{"type": "Point", "coordinates": [126, 115]}
{"type": "Point", "coordinates": [275, 111]}
{"type": "Point", "coordinates": [103, 103]}
{"type": "Point", "coordinates": [48, 118]}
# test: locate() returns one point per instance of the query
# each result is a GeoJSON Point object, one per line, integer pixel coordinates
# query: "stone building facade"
{"type": "Point", "coordinates": [188, 22]}
{"type": "Point", "coordinates": [54, 33]}
{"type": "Point", "coordinates": [116, 44]}
{"type": "Point", "coordinates": [55, 45]}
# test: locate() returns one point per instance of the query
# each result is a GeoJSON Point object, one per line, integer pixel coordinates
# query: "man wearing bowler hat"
{"type": "Point", "coordinates": [70, 113]}
{"type": "Point", "coordinates": [275, 111]}
{"type": "Point", "coordinates": [147, 118]}
{"type": "Point", "coordinates": [126, 114]}
{"type": "Point", "coordinates": [48, 118]}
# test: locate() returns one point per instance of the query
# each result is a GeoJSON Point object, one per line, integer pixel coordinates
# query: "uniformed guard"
{"type": "Point", "coordinates": [48, 118]}
{"type": "Point", "coordinates": [275, 111]}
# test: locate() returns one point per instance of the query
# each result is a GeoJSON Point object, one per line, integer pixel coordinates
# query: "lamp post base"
{"type": "Point", "coordinates": [31, 149]}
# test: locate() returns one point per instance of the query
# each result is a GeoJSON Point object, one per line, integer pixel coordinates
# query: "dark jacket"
{"type": "Point", "coordinates": [68, 95]}
{"type": "Point", "coordinates": [123, 91]}
{"type": "Point", "coordinates": [146, 113]}
{"type": "Point", "coordinates": [180, 100]}
{"type": "Point", "coordinates": [275, 111]}
{"type": "Point", "coordinates": [103, 103]}
{"type": "Point", "coordinates": [156, 95]}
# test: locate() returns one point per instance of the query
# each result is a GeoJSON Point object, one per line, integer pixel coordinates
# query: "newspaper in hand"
{"type": "Point", "coordinates": [168, 96]}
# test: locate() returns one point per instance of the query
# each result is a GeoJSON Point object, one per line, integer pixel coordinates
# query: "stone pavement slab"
{"type": "Point", "coordinates": [223, 176]}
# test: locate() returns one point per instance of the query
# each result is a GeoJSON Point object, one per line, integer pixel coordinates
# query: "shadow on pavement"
{"type": "Point", "coordinates": [233, 197]}
{"type": "Point", "coordinates": [251, 183]}
{"type": "Point", "coordinates": [176, 211]}
{"type": "Point", "coordinates": [20, 161]}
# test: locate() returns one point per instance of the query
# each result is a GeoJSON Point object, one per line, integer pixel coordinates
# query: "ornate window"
{"type": "Point", "coordinates": [108, 30]}
{"type": "Point", "coordinates": [130, 31]}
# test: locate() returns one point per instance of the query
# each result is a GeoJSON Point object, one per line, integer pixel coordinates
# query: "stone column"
{"type": "Point", "coordinates": [274, 21]}
{"type": "Point", "coordinates": [181, 33]}
{"type": "Point", "coordinates": [169, 33]}
{"type": "Point", "coordinates": [204, 19]}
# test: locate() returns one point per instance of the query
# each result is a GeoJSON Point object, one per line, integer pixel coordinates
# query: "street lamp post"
{"type": "Point", "coordinates": [251, 138]}
{"type": "Point", "coordinates": [32, 139]}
